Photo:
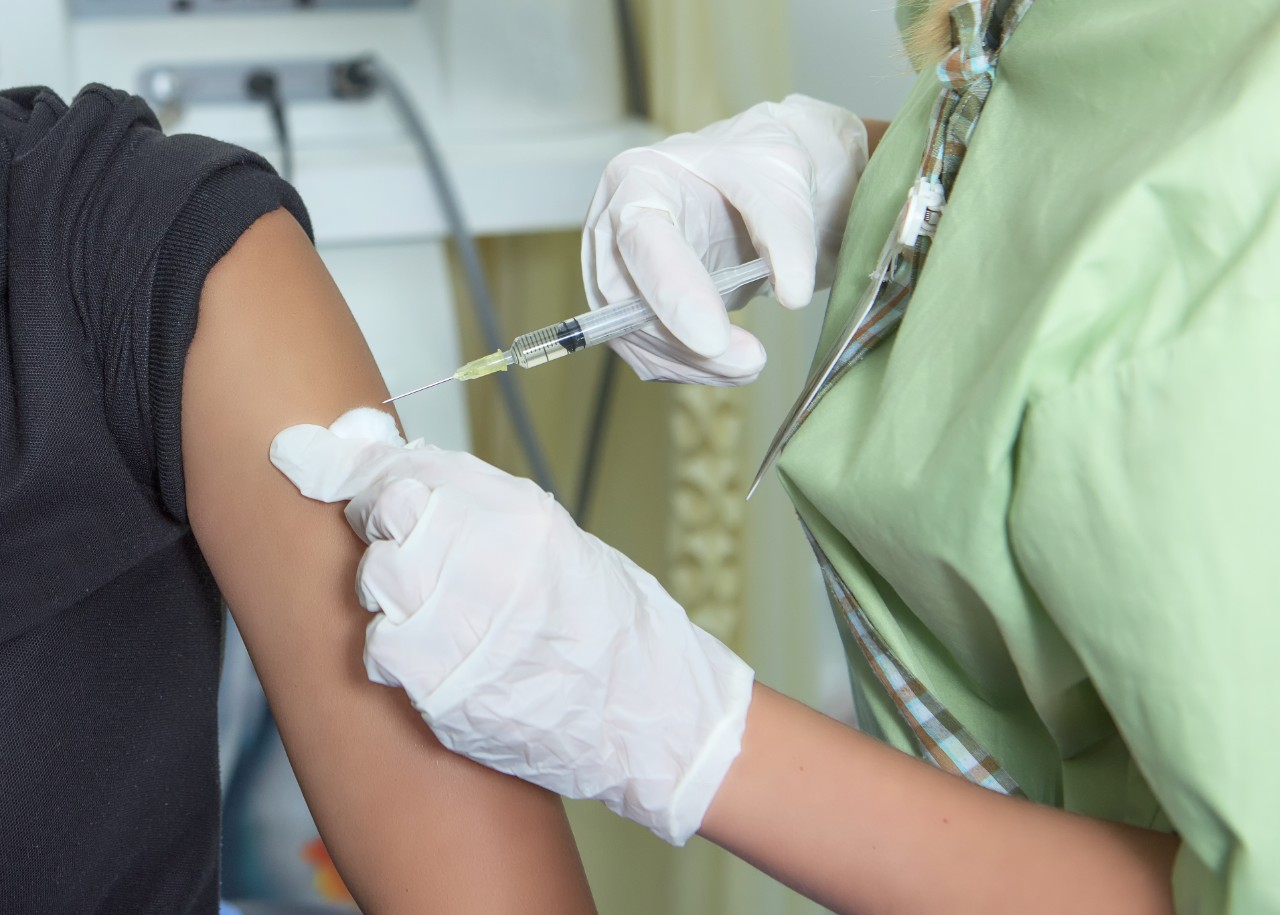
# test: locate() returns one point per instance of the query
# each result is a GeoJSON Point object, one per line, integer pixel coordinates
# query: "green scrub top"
{"type": "Point", "coordinates": [1055, 489]}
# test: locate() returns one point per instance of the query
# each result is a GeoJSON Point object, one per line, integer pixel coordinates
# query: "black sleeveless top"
{"type": "Point", "coordinates": [110, 629]}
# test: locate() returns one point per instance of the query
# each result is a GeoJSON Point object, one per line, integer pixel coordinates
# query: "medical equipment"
{"type": "Point", "coordinates": [545, 344]}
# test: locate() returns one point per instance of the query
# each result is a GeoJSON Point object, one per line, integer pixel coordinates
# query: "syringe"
{"type": "Point", "coordinates": [545, 344]}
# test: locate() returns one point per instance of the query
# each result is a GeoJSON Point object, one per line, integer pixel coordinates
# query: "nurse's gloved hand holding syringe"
{"type": "Point", "coordinates": [773, 182]}
{"type": "Point", "coordinates": [675, 232]}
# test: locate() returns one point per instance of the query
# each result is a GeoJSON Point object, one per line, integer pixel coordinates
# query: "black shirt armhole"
{"type": "Point", "coordinates": [210, 223]}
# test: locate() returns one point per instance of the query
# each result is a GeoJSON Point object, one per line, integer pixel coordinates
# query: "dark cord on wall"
{"type": "Point", "coordinates": [360, 78]}
{"type": "Point", "coordinates": [637, 94]}
{"type": "Point", "coordinates": [264, 86]}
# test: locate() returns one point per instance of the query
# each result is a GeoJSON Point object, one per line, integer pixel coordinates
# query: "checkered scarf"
{"type": "Point", "coordinates": [980, 29]}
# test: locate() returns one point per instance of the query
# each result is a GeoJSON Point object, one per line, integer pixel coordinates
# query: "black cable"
{"type": "Point", "coordinates": [357, 80]}
{"type": "Point", "coordinates": [637, 92]}
{"type": "Point", "coordinates": [264, 86]}
{"type": "Point", "coordinates": [637, 87]}
{"type": "Point", "coordinates": [595, 437]}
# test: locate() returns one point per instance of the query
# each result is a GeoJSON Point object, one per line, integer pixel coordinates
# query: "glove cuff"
{"type": "Point", "coordinates": [694, 792]}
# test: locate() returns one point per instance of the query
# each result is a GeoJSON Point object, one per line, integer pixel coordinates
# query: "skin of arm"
{"type": "Point", "coordinates": [863, 828]}
{"type": "Point", "coordinates": [411, 826]}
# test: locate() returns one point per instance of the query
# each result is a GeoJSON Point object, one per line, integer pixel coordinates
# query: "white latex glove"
{"type": "Point", "coordinates": [525, 643]}
{"type": "Point", "coordinates": [775, 181]}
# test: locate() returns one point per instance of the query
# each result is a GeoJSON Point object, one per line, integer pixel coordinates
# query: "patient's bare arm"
{"type": "Point", "coordinates": [411, 826]}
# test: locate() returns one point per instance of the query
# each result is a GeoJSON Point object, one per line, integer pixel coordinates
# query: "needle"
{"type": "Point", "coordinates": [416, 390]}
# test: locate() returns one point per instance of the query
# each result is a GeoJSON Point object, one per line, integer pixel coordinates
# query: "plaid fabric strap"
{"type": "Point", "coordinates": [943, 741]}
{"type": "Point", "coordinates": [980, 29]}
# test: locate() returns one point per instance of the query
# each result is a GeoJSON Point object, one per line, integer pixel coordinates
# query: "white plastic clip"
{"type": "Point", "coordinates": [925, 203]}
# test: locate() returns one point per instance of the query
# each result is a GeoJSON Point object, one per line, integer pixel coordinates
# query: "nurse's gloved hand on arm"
{"type": "Point", "coordinates": [525, 643]}
{"type": "Point", "coordinates": [532, 647]}
{"type": "Point", "coordinates": [774, 182]}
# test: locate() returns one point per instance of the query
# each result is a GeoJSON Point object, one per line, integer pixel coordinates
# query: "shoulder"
{"type": "Point", "coordinates": [111, 228]}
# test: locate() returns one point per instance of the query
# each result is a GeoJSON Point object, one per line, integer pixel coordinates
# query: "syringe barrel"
{"type": "Point", "coordinates": [622, 318]}
{"type": "Point", "coordinates": [545, 344]}
{"type": "Point", "coordinates": [612, 321]}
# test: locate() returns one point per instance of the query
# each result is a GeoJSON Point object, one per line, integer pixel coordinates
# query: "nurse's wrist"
{"type": "Point", "coordinates": [775, 807]}
{"type": "Point", "coordinates": [851, 823]}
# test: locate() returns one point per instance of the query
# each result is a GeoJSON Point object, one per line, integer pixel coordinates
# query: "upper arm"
{"type": "Point", "coordinates": [410, 825]}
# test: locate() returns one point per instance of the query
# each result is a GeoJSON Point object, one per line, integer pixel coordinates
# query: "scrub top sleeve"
{"type": "Point", "coordinates": [1145, 520]}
